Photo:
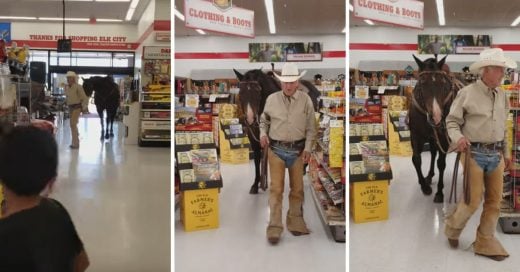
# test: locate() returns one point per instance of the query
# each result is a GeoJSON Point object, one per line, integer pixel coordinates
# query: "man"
{"type": "Point", "coordinates": [436, 46]}
{"type": "Point", "coordinates": [477, 120]}
{"type": "Point", "coordinates": [287, 126]}
{"type": "Point", "coordinates": [266, 54]}
{"type": "Point", "coordinates": [77, 102]}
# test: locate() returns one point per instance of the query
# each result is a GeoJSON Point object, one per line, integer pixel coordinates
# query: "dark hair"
{"type": "Point", "coordinates": [28, 160]}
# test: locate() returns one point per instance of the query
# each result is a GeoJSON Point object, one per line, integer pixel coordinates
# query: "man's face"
{"type": "Point", "coordinates": [71, 80]}
{"type": "Point", "coordinates": [493, 75]}
{"type": "Point", "coordinates": [289, 88]}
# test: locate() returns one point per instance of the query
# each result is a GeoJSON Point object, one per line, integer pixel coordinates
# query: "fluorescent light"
{"type": "Point", "coordinates": [369, 22]}
{"type": "Point", "coordinates": [200, 32]}
{"type": "Point", "coordinates": [350, 7]}
{"type": "Point", "coordinates": [516, 21]}
{"type": "Point", "coordinates": [109, 20]}
{"type": "Point", "coordinates": [61, 19]}
{"type": "Point", "coordinates": [134, 4]}
{"type": "Point", "coordinates": [17, 18]}
{"type": "Point", "coordinates": [129, 14]}
{"type": "Point", "coordinates": [178, 14]}
{"type": "Point", "coordinates": [440, 12]}
{"type": "Point", "coordinates": [270, 15]}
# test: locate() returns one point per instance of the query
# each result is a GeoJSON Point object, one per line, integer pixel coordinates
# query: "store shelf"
{"type": "Point", "coordinates": [156, 119]}
{"type": "Point", "coordinates": [151, 101]}
{"type": "Point", "coordinates": [155, 139]}
{"type": "Point", "coordinates": [155, 110]}
{"type": "Point", "coordinates": [322, 212]}
{"type": "Point", "coordinates": [331, 114]}
{"type": "Point", "coordinates": [327, 170]}
{"type": "Point", "coordinates": [156, 92]}
{"type": "Point", "coordinates": [357, 139]}
{"type": "Point", "coordinates": [371, 177]}
{"type": "Point", "coordinates": [341, 99]}
{"type": "Point", "coordinates": [327, 184]}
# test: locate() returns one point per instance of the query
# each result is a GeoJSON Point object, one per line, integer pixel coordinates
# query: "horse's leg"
{"type": "Point", "coordinates": [107, 120]}
{"type": "Point", "coordinates": [100, 113]}
{"type": "Point", "coordinates": [112, 117]}
{"type": "Point", "coordinates": [417, 147]}
{"type": "Point", "coordinates": [433, 152]}
{"type": "Point", "coordinates": [441, 164]}
{"type": "Point", "coordinates": [257, 153]}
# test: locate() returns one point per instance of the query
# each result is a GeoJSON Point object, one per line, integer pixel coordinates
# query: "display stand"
{"type": "Point", "coordinates": [326, 167]}
{"type": "Point", "coordinates": [155, 98]}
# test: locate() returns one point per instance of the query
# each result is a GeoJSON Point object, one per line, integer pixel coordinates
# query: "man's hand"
{"type": "Point", "coordinates": [507, 164]}
{"type": "Point", "coordinates": [306, 155]}
{"type": "Point", "coordinates": [462, 144]}
{"type": "Point", "coordinates": [85, 111]}
{"type": "Point", "coordinates": [264, 141]}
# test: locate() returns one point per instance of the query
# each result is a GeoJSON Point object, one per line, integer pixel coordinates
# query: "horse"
{"type": "Point", "coordinates": [430, 104]}
{"type": "Point", "coordinates": [106, 97]}
{"type": "Point", "coordinates": [255, 86]}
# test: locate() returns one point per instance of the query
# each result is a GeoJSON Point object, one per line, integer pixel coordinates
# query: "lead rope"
{"type": "Point", "coordinates": [465, 178]}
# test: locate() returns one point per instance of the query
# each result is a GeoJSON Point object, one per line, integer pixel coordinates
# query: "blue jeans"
{"type": "Point", "coordinates": [487, 160]}
{"type": "Point", "coordinates": [289, 156]}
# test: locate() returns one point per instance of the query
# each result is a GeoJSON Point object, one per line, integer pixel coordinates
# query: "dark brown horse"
{"type": "Point", "coordinates": [106, 97]}
{"type": "Point", "coordinates": [431, 101]}
{"type": "Point", "coordinates": [255, 87]}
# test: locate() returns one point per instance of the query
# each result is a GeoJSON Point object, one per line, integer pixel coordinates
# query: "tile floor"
{"type": "Point", "coordinates": [240, 244]}
{"type": "Point", "coordinates": [412, 239]}
{"type": "Point", "coordinates": [118, 197]}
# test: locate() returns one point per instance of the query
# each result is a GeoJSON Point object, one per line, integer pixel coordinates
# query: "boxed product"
{"type": "Point", "coordinates": [199, 209]}
{"type": "Point", "coordinates": [357, 168]}
{"type": "Point", "coordinates": [182, 139]}
{"type": "Point", "coordinates": [184, 157]}
{"type": "Point", "coordinates": [369, 201]}
{"type": "Point", "coordinates": [187, 175]}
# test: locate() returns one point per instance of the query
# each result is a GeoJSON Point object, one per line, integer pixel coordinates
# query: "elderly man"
{"type": "Point", "coordinates": [477, 120]}
{"type": "Point", "coordinates": [287, 125]}
{"type": "Point", "coordinates": [77, 102]}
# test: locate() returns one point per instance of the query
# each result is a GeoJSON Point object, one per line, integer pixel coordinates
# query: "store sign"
{"type": "Point", "coordinates": [156, 52]}
{"type": "Point", "coordinates": [453, 44]}
{"type": "Point", "coordinates": [408, 13]}
{"type": "Point", "coordinates": [208, 15]}
{"type": "Point", "coordinates": [82, 41]}
{"type": "Point", "coordinates": [282, 52]}
{"type": "Point", "coordinates": [5, 32]}
{"type": "Point", "coordinates": [163, 36]}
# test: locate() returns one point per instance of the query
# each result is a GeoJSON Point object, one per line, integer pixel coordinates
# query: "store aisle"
{"type": "Point", "coordinates": [240, 243]}
{"type": "Point", "coordinates": [413, 237]}
{"type": "Point", "coordinates": [118, 197]}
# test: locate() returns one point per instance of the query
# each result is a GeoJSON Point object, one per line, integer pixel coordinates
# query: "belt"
{"type": "Point", "coordinates": [489, 146]}
{"type": "Point", "coordinates": [287, 144]}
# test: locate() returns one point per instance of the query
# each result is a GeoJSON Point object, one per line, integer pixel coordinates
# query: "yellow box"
{"type": "Point", "coordinates": [234, 156]}
{"type": "Point", "coordinates": [199, 209]}
{"type": "Point", "coordinates": [369, 201]}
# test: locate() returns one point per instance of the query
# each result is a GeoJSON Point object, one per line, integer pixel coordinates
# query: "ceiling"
{"type": "Point", "coordinates": [465, 13]}
{"type": "Point", "coordinates": [293, 17]}
{"type": "Point", "coordinates": [73, 9]}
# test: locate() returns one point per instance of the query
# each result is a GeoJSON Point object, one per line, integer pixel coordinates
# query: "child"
{"type": "Point", "coordinates": [36, 233]}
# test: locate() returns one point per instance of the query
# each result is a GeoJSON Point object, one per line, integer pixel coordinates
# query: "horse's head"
{"type": "Point", "coordinates": [434, 90]}
{"type": "Point", "coordinates": [88, 86]}
{"type": "Point", "coordinates": [250, 94]}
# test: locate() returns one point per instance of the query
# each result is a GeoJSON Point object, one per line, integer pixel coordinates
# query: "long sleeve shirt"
{"type": "Point", "coordinates": [289, 119]}
{"type": "Point", "coordinates": [478, 113]}
{"type": "Point", "coordinates": [76, 95]}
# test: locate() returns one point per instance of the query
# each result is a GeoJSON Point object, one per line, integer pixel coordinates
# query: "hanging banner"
{"type": "Point", "coordinates": [453, 44]}
{"type": "Point", "coordinates": [283, 52]}
{"type": "Point", "coordinates": [5, 32]}
{"type": "Point", "coordinates": [408, 13]}
{"type": "Point", "coordinates": [211, 16]}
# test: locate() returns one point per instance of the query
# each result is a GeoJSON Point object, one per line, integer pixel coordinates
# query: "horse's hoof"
{"type": "Point", "coordinates": [107, 137]}
{"type": "Point", "coordinates": [111, 135]}
{"type": "Point", "coordinates": [426, 189]}
{"type": "Point", "coordinates": [439, 198]}
{"type": "Point", "coordinates": [254, 190]}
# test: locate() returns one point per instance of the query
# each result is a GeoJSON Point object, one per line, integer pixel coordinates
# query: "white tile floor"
{"type": "Point", "coordinates": [413, 238]}
{"type": "Point", "coordinates": [240, 244]}
{"type": "Point", "coordinates": [118, 197]}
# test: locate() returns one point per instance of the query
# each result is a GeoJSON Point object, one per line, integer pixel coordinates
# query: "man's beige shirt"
{"type": "Point", "coordinates": [479, 114]}
{"type": "Point", "coordinates": [76, 95]}
{"type": "Point", "coordinates": [289, 121]}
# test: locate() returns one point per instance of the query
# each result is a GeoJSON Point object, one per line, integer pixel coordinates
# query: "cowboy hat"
{"type": "Point", "coordinates": [492, 57]}
{"type": "Point", "coordinates": [70, 74]}
{"type": "Point", "coordinates": [290, 73]}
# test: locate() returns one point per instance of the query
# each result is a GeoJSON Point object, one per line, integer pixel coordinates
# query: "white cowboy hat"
{"type": "Point", "coordinates": [71, 74]}
{"type": "Point", "coordinates": [290, 73]}
{"type": "Point", "coordinates": [492, 57]}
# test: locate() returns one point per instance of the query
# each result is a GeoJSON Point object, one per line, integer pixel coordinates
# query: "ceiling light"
{"type": "Point", "coordinates": [109, 20]}
{"type": "Point", "coordinates": [270, 15]}
{"type": "Point", "coordinates": [134, 4]}
{"type": "Point", "coordinates": [17, 18]}
{"type": "Point", "coordinates": [440, 12]}
{"type": "Point", "coordinates": [200, 31]}
{"type": "Point", "coordinates": [61, 19]}
{"type": "Point", "coordinates": [129, 14]}
{"type": "Point", "coordinates": [516, 21]}
{"type": "Point", "coordinates": [369, 22]}
{"type": "Point", "coordinates": [178, 14]}
{"type": "Point", "coordinates": [350, 7]}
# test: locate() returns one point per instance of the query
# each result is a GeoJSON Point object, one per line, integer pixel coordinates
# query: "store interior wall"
{"type": "Point", "coordinates": [221, 68]}
{"type": "Point", "coordinates": [146, 19]}
{"type": "Point", "coordinates": [398, 59]}
{"type": "Point", "coordinates": [163, 10]}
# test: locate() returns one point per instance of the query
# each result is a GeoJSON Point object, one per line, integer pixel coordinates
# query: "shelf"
{"type": "Point", "coordinates": [156, 101]}
{"type": "Point", "coordinates": [509, 213]}
{"type": "Point", "coordinates": [156, 128]}
{"type": "Point", "coordinates": [154, 110]}
{"type": "Point", "coordinates": [155, 140]}
{"type": "Point", "coordinates": [342, 99]}
{"type": "Point", "coordinates": [326, 183]}
{"type": "Point", "coordinates": [200, 185]}
{"type": "Point", "coordinates": [326, 168]}
{"type": "Point", "coordinates": [156, 119]}
{"type": "Point", "coordinates": [322, 213]}
{"type": "Point", "coordinates": [156, 93]}
{"type": "Point", "coordinates": [371, 177]}
{"type": "Point", "coordinates": [357, 139]}
{"type": "Point", "coordinates": [331, 114]}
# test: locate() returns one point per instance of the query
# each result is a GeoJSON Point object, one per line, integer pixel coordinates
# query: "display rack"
{"type": "Point", "coordinates": [327, 166]}
{"type": "Point", "coordinates": [155, 98]}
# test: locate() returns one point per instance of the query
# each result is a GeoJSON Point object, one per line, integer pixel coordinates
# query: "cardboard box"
{"type": "Point", "coordinates": [199, 209]}
{"type": "Point", "coordinates": [369, 201]}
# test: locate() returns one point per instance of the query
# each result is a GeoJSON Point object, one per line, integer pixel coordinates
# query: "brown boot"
{"type": "Point", "coordinates": [454, 243]}
{"type": "Point", "coordinates": [497, 258]}
{"type": "Point", "coordinates": [274, 234]}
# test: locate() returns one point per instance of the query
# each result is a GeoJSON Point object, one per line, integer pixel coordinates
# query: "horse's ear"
{"type": "Point", "coordinates": [238, 74]}
{"type": "Point", "coordinates": [419, 62]}
{"type": "Point", "coordinates": [442, 61]}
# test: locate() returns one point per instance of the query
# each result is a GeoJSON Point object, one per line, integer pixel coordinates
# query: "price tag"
{"type": "Point", "coordinates": [212, 98]}
{"type": "Point", "coordinates": [336, 123]}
